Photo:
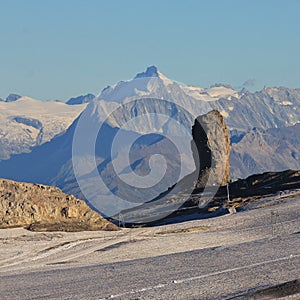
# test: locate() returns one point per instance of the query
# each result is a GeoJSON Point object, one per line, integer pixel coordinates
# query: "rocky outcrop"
{"type": "Point", "coordinates": [211, 149]}
{"type": "Point", "coordinates": [12, 97]}
{"type": "Point", "coordinates": [45, 208]}
{"type": "Point", "coordinates": [81, 99]}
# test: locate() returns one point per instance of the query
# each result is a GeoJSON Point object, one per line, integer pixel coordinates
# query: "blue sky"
{"type": "Point", "coordinates": [54, 49]}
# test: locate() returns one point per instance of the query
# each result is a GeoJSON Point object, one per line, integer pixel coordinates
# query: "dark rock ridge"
{"type": "Point", "coordinates": [46, 208]}
{"type": "Point", "coordinates": [81, 99]}
{"type": "Point", "coordinates": [257, 191]}
{"type": "Point", "coordinates": [12, 97]}
{"type": "Point", "coordinates": [151, 71]}
{"type": "Point", "coordinates": [28, 121]}
{"type": "Point", "coordinates": [261, 185]}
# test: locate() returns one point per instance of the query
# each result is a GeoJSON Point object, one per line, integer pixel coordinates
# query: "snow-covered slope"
{"type": "Point", "coordinates": [26, 123]}
{"type": "Point", "coordinates": [211, 94]}
{"type": "Point", "coordinates": [153, 83]}
{"type": "Point", "coordinates": [243, 110]}
{"type": "Point", "coordinates": [150, 84]}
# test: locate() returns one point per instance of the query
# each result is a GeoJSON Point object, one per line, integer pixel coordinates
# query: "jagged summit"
{"type": "Point", "coordinates": [151, 83]}
{"type": "Point", "coordinates": [151, 71]}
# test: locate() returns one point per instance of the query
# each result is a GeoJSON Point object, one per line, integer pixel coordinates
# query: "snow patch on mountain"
{"type": "Point", "coordinates": [27, 122]}
{"type": "Point", "coordinates": [210, 94]}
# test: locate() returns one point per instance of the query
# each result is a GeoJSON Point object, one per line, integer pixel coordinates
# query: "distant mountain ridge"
{"type": "Point", "coordinates": [259, 151]}
{"type": "Point", "coordinates": [243, 110]}
{"type": "Point", "coordinates": [269, 110]}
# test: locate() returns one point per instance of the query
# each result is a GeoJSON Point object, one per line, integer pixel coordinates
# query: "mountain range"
{"type": "Point", "coordinates": [36, 137]}
{"type": "Point", "coordinates": [275, 149]}
{"type": "Point", "coordinates": [26, 123]}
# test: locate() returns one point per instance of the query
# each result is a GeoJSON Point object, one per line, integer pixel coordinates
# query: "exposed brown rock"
{"type": "Point", "coordinates": [211, 149]}
{"type": "Point", "coordinates": [46, 208]}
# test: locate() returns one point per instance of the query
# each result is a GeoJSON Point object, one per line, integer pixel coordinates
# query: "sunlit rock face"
{"type": "Point", "coordinates": [46, 208]}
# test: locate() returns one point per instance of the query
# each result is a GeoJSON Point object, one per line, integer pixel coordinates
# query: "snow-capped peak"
{"type": "Point", "coordinates": [149, 83]}
{"type": "Point", "coordinates": [153, 83]}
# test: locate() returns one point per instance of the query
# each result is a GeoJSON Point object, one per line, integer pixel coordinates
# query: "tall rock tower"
{"type": "Point", "coordinates": [211, 149]}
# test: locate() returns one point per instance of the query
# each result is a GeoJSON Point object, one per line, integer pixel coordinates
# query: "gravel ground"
{"type": "Point", "coordinates": [213, 258]}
